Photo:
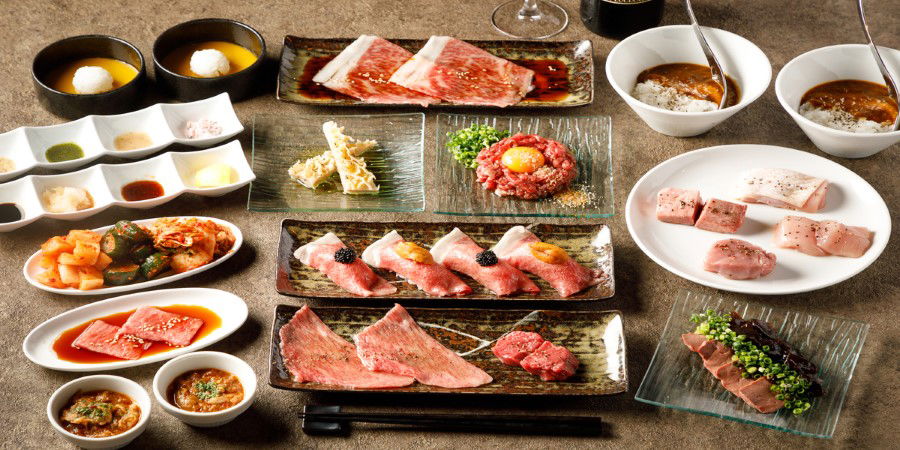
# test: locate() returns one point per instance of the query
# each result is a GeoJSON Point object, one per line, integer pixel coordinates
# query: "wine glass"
{"type": "Point", "coordinates": [529, 19]}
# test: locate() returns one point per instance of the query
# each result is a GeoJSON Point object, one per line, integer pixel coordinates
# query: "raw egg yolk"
{"type": "Point", "coordinates": [522, 159]}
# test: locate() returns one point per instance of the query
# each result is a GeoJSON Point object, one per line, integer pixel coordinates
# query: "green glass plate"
{"type": "Point", "coordinates": [677, 379]}
{"type": "Point", "coordinates": [281, 140]}
{"type": "Point", "coordinates": [588, 138]}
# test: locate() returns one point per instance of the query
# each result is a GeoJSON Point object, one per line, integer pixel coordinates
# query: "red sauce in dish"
{"type": "Point", "coordinates": [142, 190]}
{"type": "Point", "coordinates": [62, 346]}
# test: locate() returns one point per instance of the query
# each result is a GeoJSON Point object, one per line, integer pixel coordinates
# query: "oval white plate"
{"type": "Point", "coordinates": [38, 345]}
{"type": "Point", "coordinates": [680, 249]}
{"type": "Point", "coordinates": [31, 268]}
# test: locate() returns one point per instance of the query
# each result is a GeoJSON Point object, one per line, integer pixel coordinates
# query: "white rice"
{"type": "Point", "coordinates": [841, 120]}
{"type": "Point", "coordinates": [655, 94]}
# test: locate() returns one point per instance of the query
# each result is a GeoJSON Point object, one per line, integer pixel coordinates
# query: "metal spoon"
{"type": "Point", "coordinates": [888, 79]}
{"type": "Point", "coordinates": [718, 75]}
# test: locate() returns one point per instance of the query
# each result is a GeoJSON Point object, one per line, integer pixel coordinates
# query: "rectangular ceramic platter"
{"type": "Point", "coordinates": [588, 139]}
{"type": "Point", "coordinates": [295, 77]}
{"type": "Point", "coordinates": [595, 337]}
{"type": "Point", "coordinates": [279, 141]}
{"type": "Point", "coordinates": [677, 379]}
{"type": "Point", "coordinates": [590, 245]}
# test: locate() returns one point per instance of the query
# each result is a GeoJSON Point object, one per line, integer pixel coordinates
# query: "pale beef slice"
{"type": "Point", "coordinates": [153, 324]}
{"type": "Point", "coordinates": [721, 216]}
{"type": "Point", "coordinates": [551, 362]}
{"type": "Point", "coordinates": [798, 233]}
{"type": "Point", "coordinates": [512, 348]}
{"type": "Point", "coordinates": [679, 206]}
{"type": "Point", "coordinates": [104, 338]}
{"type": "Point", "coordinates": [396, 344]}
{"type": "Point", "coordinates": [362, 70]}
{"type": "Point", "coordinates": [457, 251]}
{"type": "Point", "coordinates": [460, 72]}
{"type": "Point", "coordinates": [738, 260]}
{"type": "Point", "coordinates": [838, 239]}
{"type": "Point", "coordinates": [783, 188]}
{"type": "Point", "coordinates": [312, 352]}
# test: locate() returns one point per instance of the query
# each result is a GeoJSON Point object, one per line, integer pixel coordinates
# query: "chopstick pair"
{"type": "Point", "coordinates": [320, 419]}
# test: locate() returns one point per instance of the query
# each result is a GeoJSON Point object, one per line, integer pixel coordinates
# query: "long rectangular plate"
{"type": "Point", "coordinates": [569, 80]}
{"type": "Point", "coordinates": [590, 245]}
{"type": "Point", "coordinates": [595, 337]}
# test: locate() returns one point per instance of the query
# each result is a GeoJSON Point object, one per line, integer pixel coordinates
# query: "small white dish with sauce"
{"type": "Point", "coordinates": [205, 360]}
{"type": "Point", "coordinates": [837, 62]}
{"type": "Point", "coordinates": [741, 60]}
{"type": "Point", "coordinates": [94, 383]}
{"type": "Point", "coordinates": [163, 123]}
{"type": "Point", "coordinates": [173, 170]}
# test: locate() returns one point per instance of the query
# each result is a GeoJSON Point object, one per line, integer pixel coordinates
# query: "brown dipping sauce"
{"type": "Point", "coordinates": [861, 99]}
{"type": "Point", "coordinates": [97, 414]}
{"type": "Point", "coordinates": [205, 390]}
{"type": "Point", "coordinates": [693, 80]}
{"type": "Point", "coordinates": [62, 346]}
{"type": "Point", "coordinates": [551, 80]}
{"type": "Point", "coordinates": [142, 190]}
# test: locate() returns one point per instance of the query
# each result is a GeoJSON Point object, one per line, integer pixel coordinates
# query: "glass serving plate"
{"type": "Point", "coordinates": [677, 379]}
{"type": "Point", "coordinates": [588, 138]}
{"type": "Point", "coordinates": [279, 141]}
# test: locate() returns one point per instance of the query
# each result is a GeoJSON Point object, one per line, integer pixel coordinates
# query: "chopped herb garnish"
{"type": "Point", "coordinates": [93, 410]}
{"type": "Point", "coordinates": [205, 390]}
{"type": "Point", "coordinates": [466, 143]}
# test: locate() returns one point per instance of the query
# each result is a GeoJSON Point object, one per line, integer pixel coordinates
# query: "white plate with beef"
{"type": "Point", "coordinates": [113, 334]}
{"type": "Point", "coordinates": [35, 270]}
{"type": "Point", "coordinates": [716, 173]}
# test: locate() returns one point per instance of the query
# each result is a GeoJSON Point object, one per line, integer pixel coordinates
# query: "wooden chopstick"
{"type": "Point", "coordinates": [473, 422]}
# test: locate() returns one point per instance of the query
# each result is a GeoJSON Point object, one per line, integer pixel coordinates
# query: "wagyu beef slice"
{"type": "Point", "coordinates": [154, 324]}
{"type": "Point", "coordinates": [680, 206]}
{"type": "Point", "coordinates": [104, 338]}
{"type": "Point", "coordinates": [721, 216]}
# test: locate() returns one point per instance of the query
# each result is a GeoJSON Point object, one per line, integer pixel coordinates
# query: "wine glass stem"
{"type": "Point", "coordinates": [529, 10]}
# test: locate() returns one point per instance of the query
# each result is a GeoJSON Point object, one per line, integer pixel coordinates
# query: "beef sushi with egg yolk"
{"type": "Point", "coordinates": [414, 263]}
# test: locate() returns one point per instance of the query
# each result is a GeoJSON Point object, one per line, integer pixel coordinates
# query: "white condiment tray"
{"type": "Point", "coordinates": [163, 122]}
{"type": "Point", "coordinates": [173, 170]}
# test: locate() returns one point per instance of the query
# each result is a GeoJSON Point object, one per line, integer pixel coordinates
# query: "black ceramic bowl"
{"type": "Point", "coordinates": [74, 106]}
{"type": "Point", "coordinates": [238, 85]}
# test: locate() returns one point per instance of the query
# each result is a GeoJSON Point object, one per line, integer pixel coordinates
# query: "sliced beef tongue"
{"type": "Point", "coordinates": [758, 394]}
{"type": "Point", "coordinates": [397, 345]}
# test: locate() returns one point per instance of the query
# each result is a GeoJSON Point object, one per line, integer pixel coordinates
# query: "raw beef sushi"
{"type": "Point", "coordinates": [681, 206]}
{"type": "Point", "coordinates": [721, 216]}
{"type": "Point", "coordinates": [738, 260]}
{"type": "Point", "coordinates": [525, 251]}
{"type": "Point", "coordinates": [415, 264]}
{"type": "Point", "coordinates": [397, 345]}
{"type": "Point", "coordinates": [460, 72]}
{"type": "Point", "coordinates": [513, 347]}
{"type": "Point", "coordinates": [822, 238]}
{"type": "Point", "coordinates": [798, 233]}
{"type": "Point", "coordinates": [782, 188]}
{"type": "Point", "coordinates": [362, 70]}
{"type": "Point", "coordinates": [154, 324]}
{"type": "Point", "coordinates": [551, 362]}
{"type": "Point", "coordinates": [313, 352]}
{"type": "Point", "coordinates": [340, 264]}
{"type": "Point", "coordinates": [457, 251]}
{"type": "Point", "coordinates": [104, 338]}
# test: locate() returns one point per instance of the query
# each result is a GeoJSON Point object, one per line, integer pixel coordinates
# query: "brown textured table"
{"type": "Point", "coordinates": [645, 291]}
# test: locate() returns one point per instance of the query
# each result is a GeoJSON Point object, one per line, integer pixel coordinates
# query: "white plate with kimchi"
{"type": "Point", "coordinates": [76, 265]}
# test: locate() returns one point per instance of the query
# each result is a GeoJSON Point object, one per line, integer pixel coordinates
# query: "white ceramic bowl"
{"type": "Point", "coordinates": [92, 383]}
{"type": "Point", "coordinates": [205, 360]}
{"type": "Point", "coordinates": [743, 61]}
{"type": "Point", "coordinates": [837, 62]}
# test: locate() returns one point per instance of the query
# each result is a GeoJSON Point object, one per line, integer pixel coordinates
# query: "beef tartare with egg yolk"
{"type": "Point", "coordinates": [527, 166]}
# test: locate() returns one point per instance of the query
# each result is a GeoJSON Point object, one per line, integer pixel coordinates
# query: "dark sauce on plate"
{"type": "Point", "coordinates": [10, 212]}
{"type": "Point", "coordinates": [142, 190]}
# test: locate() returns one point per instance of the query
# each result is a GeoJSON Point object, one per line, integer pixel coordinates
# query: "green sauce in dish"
{"type": "Point", "coordinates": [66, 151]}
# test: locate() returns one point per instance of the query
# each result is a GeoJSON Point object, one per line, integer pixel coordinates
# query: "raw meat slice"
{"type": "Point", "coordinates": [758, 394]}
{"type": "Point", "coordinates": [362, 70]}
{"type": "Point", "coordinates": [457, 251]}
{"type": "Point", "coordinates": [515, 346]}
{"type": "Point", "coordinates": [432, 278]}
{"type": "Point", "coordinates": [551, 362]}
{"type": "Point", "coordinates": [738, 260]}
{"type": "Point", "coordinates": [154, 324]}
{"type": "Point", "coordinates": [679, 206]}
{"type": "Point", "coordinates": [396, 344]}
{"type": "Point", "coordinates": [719, 357]}
{"type": "Point", "coordinates": [838, 239]}
{"type": "Point", "coordinates": [693, 341]}
{"type": "Point", "coordinates": [798, 233]}
{"type": "Point", "coordinates": [721, 216]}
{"type": "Point", "coordinates": [312, 352]}
{"type": "Point", "coordinates": [731, 379]}
{"type": "Point", "coordinates": [782, 188]}
{"type": "Point", "coordinates": [460, 72]}
{"type": "Point", "coordinates": [355, 277]}
{"type": "Point", "coordinates": [567, 278]}
{"type": "Point", "coordinates": [104, 338]}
